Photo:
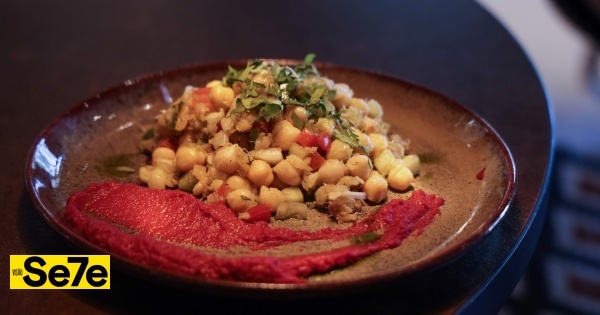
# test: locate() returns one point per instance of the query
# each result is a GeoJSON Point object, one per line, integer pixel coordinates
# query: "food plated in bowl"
{"type": "Point", "coordinates": [458, 192]}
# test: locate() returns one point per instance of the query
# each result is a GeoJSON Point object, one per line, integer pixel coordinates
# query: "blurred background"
{"type": "Point", "coordinates": [562, 38]}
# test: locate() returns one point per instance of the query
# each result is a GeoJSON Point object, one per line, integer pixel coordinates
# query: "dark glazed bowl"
{"type": "Point", "coordinates": [454, 144]}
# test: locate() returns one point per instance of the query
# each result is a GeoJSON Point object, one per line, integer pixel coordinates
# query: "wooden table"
{"type": "Point", "coordinates": [54, 54]}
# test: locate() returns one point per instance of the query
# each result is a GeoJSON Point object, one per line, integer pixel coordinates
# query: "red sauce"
{"type": "Point", "coordinates": [479, 175]}
{"type": "Point", "coordinates": [166, 218]}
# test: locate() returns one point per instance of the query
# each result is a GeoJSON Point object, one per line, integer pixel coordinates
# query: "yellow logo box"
{"type": "Point", "coordinates": [59, 271]}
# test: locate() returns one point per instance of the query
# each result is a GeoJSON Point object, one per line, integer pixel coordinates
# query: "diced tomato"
{"type": "Point", "coordinates": [202, 96]}
{"type": "Point", "coordinates": [170, 142]}
{"type": "Point", "coordinates": [324, 141]}
{"type": "Point", "coordinates": [259, 213]}
{"type": "Point", "coordinates": [223, 190]}
{"type": "Point", "coordinates": [219, 195]}
{"type": "Point", "coordinates": [316, 160]}
{"type": "Point", "coordinates": [307, 138]}
{"type": "Point", "coordinates": [262, 125]}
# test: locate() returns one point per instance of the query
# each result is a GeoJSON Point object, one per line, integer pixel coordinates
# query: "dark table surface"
{"type": "Point", "coordinates": [53, 55]}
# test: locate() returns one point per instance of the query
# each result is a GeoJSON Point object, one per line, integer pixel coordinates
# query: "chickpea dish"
{"type": "Point", "coordinates": [271, 137]}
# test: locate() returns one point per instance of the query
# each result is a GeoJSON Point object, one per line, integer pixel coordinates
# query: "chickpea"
{"type": "Point", "coordinates": [310, 181]}
{"type": "Point", "coordinates": [339, 150]}
{"type": "Point", "coordinates": [360, 104]}
{"type": "Point", "coordinates": [226, 159]}
{"type": "Point", "coordinates": [271, 197]}
{"type": "Point", "coordinates": [201, 173]}
{"type": "Point", "coordinates": [365, 141]}
{"type": "Point", "coordinates": [331, 171]}
{"type": "Point", "coordinates": [370, 125]}
{"type": "Point", "coordinates": [144, 173]}
{"type": "Point", "coordinates": [353, 115]}
{"type": "Point", "coordinates": [343, 95]}
{"type": "Point", "coordinates": [237, 182]}
{"type": "Point", "coordinates": [269, 155]}
{"type": "Point", "coordinates": [214, 173]}
{"type": "Point", "coordinates": [187, 156]}
{"type": "Point", "coordinates": [260, 173]}
{"type": "Point", "coordinates": [360, 166]}
{"type": "Point", "coordinates": [380, 143]}
{"type": "Point", "coordinates": [376, 187]}
{"type": "Point", "coordinates": [240, 200]}
{"type": "Point", "coordinates": [163, 153]}
{"type": "Point", "coordinates": [326, 125]}
{"type": "Point", "coordinates": [164, 158]}
{"type": "Point", "coordinates": [385, 162]}
{"type": "Point", "coordinates": [297, 111]}
{"type": "Point", "coordinates": [157, 178]}
{"type": "Point", "coordinates": [293, 194]}
{"type": "Point", "coordinates": [285, 134]}
{"type": "Point", "coordinates": [400, 178]}
{"type": "Point", "coordinates": [413, 163]}
{"type": "Point", "coordinates": [288, 210]}
{"type": "Point", "coordinates": [375, 110]}
{"type": "Point", "coordinates": [221, 96]}
{"type": "Point", "coordinates": [287, 173]}
{"type": "Point", "coordinates": [213, 83]}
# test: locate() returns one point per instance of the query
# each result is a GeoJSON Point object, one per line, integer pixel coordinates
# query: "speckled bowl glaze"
{"type": "Point", "coordinates": [454, 145]}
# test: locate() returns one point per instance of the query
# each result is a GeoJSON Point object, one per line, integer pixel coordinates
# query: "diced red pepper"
{"type": "Point", "coordinates": [219, 195]}
{"type": "Point", "coordinates": [316, 160]}
{"type": "Point", "coordinates": [258, 213]}
{"type": "Point", "coordinates": [307, 138]}
{"type": "Point", "coordinates": [202, 96]}
{"type": "Point", "coordinates": [170, 142]}
{"type": "Point", "coordinates": [324, 141]}
{"type": "Point", "coordinates": [223, 190]}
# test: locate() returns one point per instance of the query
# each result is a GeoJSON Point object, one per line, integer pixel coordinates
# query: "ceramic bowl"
{"type": "Point", "coordinates": [463, 160]}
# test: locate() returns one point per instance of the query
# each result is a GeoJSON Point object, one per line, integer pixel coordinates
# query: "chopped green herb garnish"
{"type": "Point", "coordinates": [270, 111]}
{"type": "Point", "coordinates": [309, 59]}
{"type": "Point", "coordinates": [292, 85]}
{"type": "Point", "coordinates": [297, 122]}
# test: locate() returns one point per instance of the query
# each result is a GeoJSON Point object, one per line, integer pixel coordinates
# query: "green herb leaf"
{"type": "Point", "coordinates": [297, 121]}
{"type": "Point", "coordinates": [309, 59]}
{"type": "Point", "coordinates": [270, 111]}
{"type": "Point", "coordinates": [347, 136]}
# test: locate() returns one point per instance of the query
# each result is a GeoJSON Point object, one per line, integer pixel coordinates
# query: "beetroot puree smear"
{"type": "Point", "coordinates": [164, 217]}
